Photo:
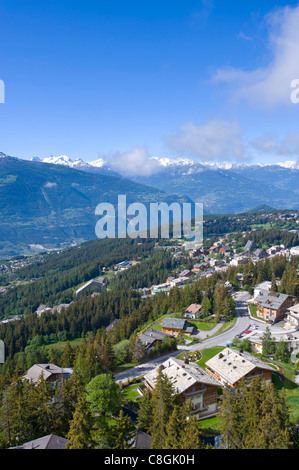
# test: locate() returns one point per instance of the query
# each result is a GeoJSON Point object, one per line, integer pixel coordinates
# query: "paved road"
{"type": "Point", "coordinates": [242, 323]}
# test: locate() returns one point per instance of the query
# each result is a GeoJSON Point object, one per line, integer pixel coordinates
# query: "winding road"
{"type": "Point", "coordinates": [241, 324]}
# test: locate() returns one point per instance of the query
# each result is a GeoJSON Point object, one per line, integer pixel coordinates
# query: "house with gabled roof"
{"type": "Point", "coordinates": [272, 306]}
{"type": "Point", "coordinates": [193, 311]}
{"type": "Point", "coordinates": [176, 325]}
{"type": "Point", "coordinates": [50, 372]}
{"type": "Point", "coordinates": [229, 367]}
{"type": "Point", "coordinates": [151, 338]}
{"type": "Point", "coordinates": [192, 383]}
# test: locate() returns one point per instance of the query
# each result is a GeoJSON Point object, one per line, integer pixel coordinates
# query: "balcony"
{"type": "Point", "coordinates": [195, 392]}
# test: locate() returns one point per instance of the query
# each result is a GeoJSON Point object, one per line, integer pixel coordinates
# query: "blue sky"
{"type": "Point", "coordinates": [206, 80]}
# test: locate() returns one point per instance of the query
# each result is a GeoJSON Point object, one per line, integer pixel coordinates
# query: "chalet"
{"type": "Point", "coordinates": [229, 367]}
{"type": "Point", "coordinates": [200, 267]}
{"type": "Point", "coordinates": [260, 253]}
{"type": "Point", "coordinates": [272, 306]}
{"type": "Point", "coordinates": [186, 273]}
{"type": "Point", "coordinates": [151, 338]}
{"type": "Point", "coordinates": [180, 281]}
{"type": "Point", "coordinates": [194, 253]}
{"type": "Point", "coordinates": [225, 250]}
{"type": "Point", "coordinates": [193, 311]}
{"type": "Point", "coordinates": [265, 285]}
{"type": "Point", "coordinates": [174, 326]}
{"type": "Point", "coordinates": [50, 372]}
{"type": "Point", "coordinates": [192, 383]}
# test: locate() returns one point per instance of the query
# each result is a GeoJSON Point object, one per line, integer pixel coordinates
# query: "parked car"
{"type": "Point", "coordinates": [247, 332]}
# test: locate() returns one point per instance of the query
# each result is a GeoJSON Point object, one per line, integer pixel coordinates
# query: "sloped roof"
{"type": "Point", "coordinates": [47, 442]}
{"type": "Point", "coordinates": [233, 365]}
{"type": "Point", "coordinates": [271, 299]}
{"type": "Point", "coordinates": [181, 375]}
{"type": "Point", "coordinates": [46, 369]}
{"type": "Point", "coordinates": [178, 323]}
{"type": "Point", "coordinates": [193, 308]}
{"type": "Point", "coordinates": [149, 336]}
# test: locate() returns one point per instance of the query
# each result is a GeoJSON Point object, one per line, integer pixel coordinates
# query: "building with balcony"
{"type": "Point", "coordinates": [272, 306]}
{"type": "Point", "coordinates": [50, 372]}
{"type": "Point", "coordinates": [229, 367]}
{"type": "Point", "coordinates": [192, 383]}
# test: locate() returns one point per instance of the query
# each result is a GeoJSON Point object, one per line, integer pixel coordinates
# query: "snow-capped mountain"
{"type": "Point", "coordinates": [222, 187]}
{"type": "Point", "coordinates": [96, 166]}
{"type": "Point", "coordinates": [179, 164]}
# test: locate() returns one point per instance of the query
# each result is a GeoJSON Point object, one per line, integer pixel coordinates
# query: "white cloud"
{"type": "Point", "coordinates": [214, 140]}
{"type": "Point", "coordinates": [287, 146]}
{"type": "Point", "coordinates": [270, 85]}
{"type": "Point", "coordinates": [50, 185]}
{"type": "Point", "coordinates": [135, 162]}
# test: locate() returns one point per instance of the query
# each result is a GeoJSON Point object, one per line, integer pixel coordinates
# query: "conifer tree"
{"type": "Point", "coordinates": [121, 434]}
{"type": "Point", "coordinates": [43, 416]}
{"type": "Point", "coordinates": [79, 435]}
{"type": "Point", "coordinates": [174, 428]}
{"type": "Point", "coordinates": [163, 400]}
{"type": "Point", "coordinates": [267, 343]}
{"type": "Point", "coordinates": [273, 427]}
{"type": "Point", "coordinates": [232, 420]}
{"type": "Point", "coordinates": [145, 411]}
{"type": "Point", "coordinates": [273, 283]}
{"type": "Point", "coordinates": [68, 355]}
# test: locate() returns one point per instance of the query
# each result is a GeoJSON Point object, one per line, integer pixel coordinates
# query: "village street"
{"type": "Point", "coordinates": [208, 341]}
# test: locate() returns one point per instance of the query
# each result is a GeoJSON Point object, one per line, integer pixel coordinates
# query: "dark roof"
{"type": "Point", "coordinates": [47, 442]}
{"type": "Point", "coordinates": [143, 440]}
{"type": "Point", "coordinates": [150, 336]}
{"type": "Point", "coordinates": [177, 323]}
{"type": "Point", "coordinates": [270, 299]}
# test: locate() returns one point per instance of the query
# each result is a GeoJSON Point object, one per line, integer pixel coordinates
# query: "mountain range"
{"type": "Point", "coordinates": [51, 202]}
{"type": "Point", "coordinates": [222, 187]}
{"type": "Point", "coordinates": [47, 205]}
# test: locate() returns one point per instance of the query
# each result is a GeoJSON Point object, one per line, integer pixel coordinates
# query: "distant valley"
{"type": "Point", "coordinates": [51, 203]}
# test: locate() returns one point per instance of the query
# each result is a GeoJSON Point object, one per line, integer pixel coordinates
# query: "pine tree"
{"type": "Point", "coordinates": [190, 438]}
{"type": "Point", "coordinates": [121, 434]}
{"type": "Point", "coordinates": [80, 427]}
{"type": "Point", "coordinates": [232, 420]}
{"type": "Point", "coordinates": [43, 418]}
{"type": "Point", "coordinates": [163, 400]}
{"type": "Point", "coordinates": [145, 411]}
{"type": "Point", "coordinates": [274, 423]}
{"type": "Point", "coordinates": [267, 343]}
{"type": "Point", "coordinates": [282, 352]}
{"type": "Point", "coordinates": [273, 283]}
{"type": "Point", "coordinates": [68, 355]}
{"type": "Point", "coordinates": [182, 430]}
{"type": "Point", "coordinates": [174, 428]}
{"type": "Point", "coordinates": [253, 397]}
